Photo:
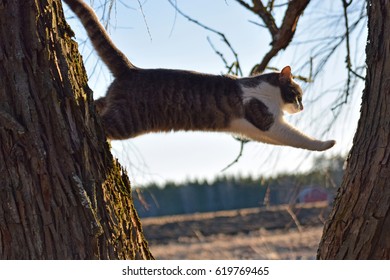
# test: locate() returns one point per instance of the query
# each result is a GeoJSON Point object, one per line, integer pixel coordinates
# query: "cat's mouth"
{"type": "Point", "coordinates": [293, 108]}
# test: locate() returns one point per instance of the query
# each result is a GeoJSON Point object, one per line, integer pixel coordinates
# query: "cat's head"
{"type": "Point", "coordinates": [291, 92]}
{"type": "Point", "coordinates": [279, 87]}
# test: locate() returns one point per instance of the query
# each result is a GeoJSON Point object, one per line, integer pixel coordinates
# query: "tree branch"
{"type": "Point", "coordinates": [259, 9]}
{"type": "Point", "coordinates": [284, 34]}
{"type": "Point", "coordinates": [281, 37]}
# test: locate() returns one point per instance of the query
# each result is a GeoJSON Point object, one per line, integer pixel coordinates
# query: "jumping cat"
{"type": "Point", "coordinates": [141, 101]}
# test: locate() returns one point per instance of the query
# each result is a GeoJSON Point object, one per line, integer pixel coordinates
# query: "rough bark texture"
{"type": "Point", "coordinates": [359, 225]}
{"type": "Point", "coordinates": [62, 196]}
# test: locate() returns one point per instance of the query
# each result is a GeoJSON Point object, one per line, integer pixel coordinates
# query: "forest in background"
{"type": "Point", "coordinates": [230, 192]}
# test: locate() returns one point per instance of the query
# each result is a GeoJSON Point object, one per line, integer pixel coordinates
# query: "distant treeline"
{"type": "Point", "coordinates": [227, 193]}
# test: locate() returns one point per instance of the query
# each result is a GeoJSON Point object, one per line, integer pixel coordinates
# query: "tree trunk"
{"type": "Point", "coordinates": [62, 194]}
{"type": "Point", "coordinates": [359, 224]}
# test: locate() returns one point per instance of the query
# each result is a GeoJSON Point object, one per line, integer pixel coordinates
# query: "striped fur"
{"type": "Point", "coordinates": [141, 101]}
{"type": "Point", "coordinates": [116, 61]}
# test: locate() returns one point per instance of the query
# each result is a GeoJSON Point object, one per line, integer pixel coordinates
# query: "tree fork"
{"type": "Point", "coordinates": [62, 194]}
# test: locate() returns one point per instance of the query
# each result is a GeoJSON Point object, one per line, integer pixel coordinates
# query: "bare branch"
{"type": "Point", "coordinates": [281, 36]}
{"type": "Point", "coordinates": [236, 65]}
{"type": "Point", "coordinates": [350, 70]}
{"type": "Point", "coordinates": [294, 217]}
{"type": "Point", "coordinates": [218, 53]}
{"type": "Point", "coordinates": [259, 9]}
{"type": "Point", "coordinates": [357, 75]}
{"type": "Point", "coordinates": [258, 24]}
{"type": "Point", "coordinates": [223, 37]}
{"type": "Point", "coordinates": [347, 44]}
{"type": "Point", "coordinates": [243, 142]}
{"type": "Point", "coordinates": [284, 34]}
{"type": "Point", "coordinates": [270, 5]}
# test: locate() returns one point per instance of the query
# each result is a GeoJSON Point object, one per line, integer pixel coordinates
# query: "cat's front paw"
{"type": "Point", "coordinates": [325, 145]}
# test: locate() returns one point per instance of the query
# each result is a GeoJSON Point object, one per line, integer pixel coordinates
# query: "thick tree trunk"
{"type": "Point", "coordinates": [62, 195]}
{"type": "Point", "coordinates": [359, 225]}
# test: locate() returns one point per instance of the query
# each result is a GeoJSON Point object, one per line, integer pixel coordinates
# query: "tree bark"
{"type": "Point", "coordinates": [359, 225]}
{"type": "Point", "coordinates": [62, 195]}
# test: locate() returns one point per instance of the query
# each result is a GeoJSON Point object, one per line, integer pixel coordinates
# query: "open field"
{"type": "Point", "coordinates": [274, 233]}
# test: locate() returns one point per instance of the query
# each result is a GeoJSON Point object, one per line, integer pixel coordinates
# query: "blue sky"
{"type": "Point", "coordinates": [158, 37]}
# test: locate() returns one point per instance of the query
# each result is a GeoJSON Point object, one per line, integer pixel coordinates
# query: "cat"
{"type": "Point", "coordinates": [142, 101]}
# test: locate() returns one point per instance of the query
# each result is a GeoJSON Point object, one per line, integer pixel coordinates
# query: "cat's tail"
{"type": "Point", "coordinates": [115, 60]}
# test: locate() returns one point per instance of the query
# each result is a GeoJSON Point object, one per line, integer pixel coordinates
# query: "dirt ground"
{"type": "Point", "coordinates": [266, 245]}
{"type": "Point", "coordinates": [276, 233]}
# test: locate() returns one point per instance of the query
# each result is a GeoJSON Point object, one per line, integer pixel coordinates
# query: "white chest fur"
{"type": "Point", "coordinates": [268, 94]}
{"type": "Point", "coordinates": [281, 132]}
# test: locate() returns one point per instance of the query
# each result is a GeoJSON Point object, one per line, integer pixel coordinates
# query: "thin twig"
{"type": "Point", "coordinates": [256, 23]}
{"type": "Point", "coordinates": [144, 17]}
{"type": "Point", "coordinates": [235, 64]}
{"type": "Point", "coordinates": [350, 71]}
{"type": "Point", "coordinates": [347, 45]}
{"type": "Point", "coordinates": [218, 53]}
{"type": "Point", "coordinates": [357, 75]}
{"type": "Point", "coordinates": [294, 217]}
{"type": "Point", "coordinates": [174, 20]}
{"type": "Point", "coordinates": [243, 142]}
{"type": "Point", "coordinates": [223, 37]}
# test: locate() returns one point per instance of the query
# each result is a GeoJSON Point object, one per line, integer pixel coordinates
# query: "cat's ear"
{"type": "Point", "coordinates": [285, 74]}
